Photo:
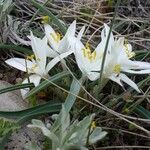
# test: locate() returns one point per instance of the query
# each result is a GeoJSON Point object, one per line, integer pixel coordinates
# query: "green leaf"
{"type": "Point", "coordinates": [74, 90]}
{"type": "Point", "coordinates": [70, 100]}
{"type": "Point", "coordinates": [16, 87]}
{"type": "Point", "coordinates": [142, 112]}
{"type": "Point", "coordinates": [4, 140]}
{"type": "Point", "coordinates": [96, 135]}
{"type": "Point", "coordinates": [46, 83]}
{"type": "Point", "coordinates": [53, 17]}
{"type": "Point", "coordinates": [50, 107]}
{"type": "Point", "coordinates": [16, 48]}
{"type": "Point", "coordinates": [6, 126]}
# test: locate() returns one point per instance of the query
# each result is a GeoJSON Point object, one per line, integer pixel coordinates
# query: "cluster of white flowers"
{"type": "Point", "coordinates": [117, 60]}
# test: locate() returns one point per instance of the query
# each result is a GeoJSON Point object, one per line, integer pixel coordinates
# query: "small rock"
{"type": "Point", "coordinates": [11, 101]}
{"type": "Point", "coordinates": [19, 80]}
{"type": "Point", "coordinates": [1, 75]}
{"type": "Point", "coordinates": [19, 139]}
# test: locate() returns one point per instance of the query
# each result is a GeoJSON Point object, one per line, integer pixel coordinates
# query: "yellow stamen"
{"type": "Point", "coordinates": [129, 54]}
{"type": "Point", "coordinates": [38, 59]}
{"type": "Point", "coordinates": [87, 45]}
{"type": "Point", "coordinates": [59, 36]}
{"type": "Point", "coordinates": [132, 54]}
{"type": "Point", "coordinates": [90, 57]}
{"type": "Point", "coordinates": [31, 57]}
{"type": "Point", "coordinates": [45, 19]}
{"type": "Point", "coordinates": [93, 125]}
{"type": "Point", "coordinates": [117, 69]}
{"type": "Point", "coordinates": [33, 67]}
{"type": "Point", "coordinates": [94, 55]}
{"type": "Point", "coordinates": [87, 52]}
{"type": "Point", "coordinates": [56, 37]}
{"type": "Point", "coordinates": [84, 52]}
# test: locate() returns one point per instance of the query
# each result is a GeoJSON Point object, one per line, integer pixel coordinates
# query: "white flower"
{"type": "Point", "coordinates": [58, 45]}
{"type": "Point", "coordinates": [90, 62]}
{"type": "Point", "coordinates": [118, 61]}
{"type": "Point", "coordinates": [35, 65]}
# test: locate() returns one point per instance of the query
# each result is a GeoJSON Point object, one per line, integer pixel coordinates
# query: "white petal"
{"type": "Point", "coordinates": [129, 46]}
{"type": "Point", "coordinates": [67, 43]}
{"type": "Point", "coordinates": [81, 33]}
{"type": "Point", "coordinates": [20, 63]}
{"type": "Point", "coordinates": [118, 49]}
{"type": "Point", "coordinates": [141, 65]}
{"type": "Point", "coordinates": [82, 62]}
{"type": "Point", "coordinates": [101, 46]}
{"type": "Point", "coordinates": [93, 76]}
{"type": "Point", "coordinates": [25, 90]}
{"type": "Point", "coordinates": [105, 33]}
{"type": "Point", "coordinates": [49, 31]}
{"type": "Point", "coordinates": [135, 65]}
{"type": "Point", "coordinates": [39, 48]}
{"type": "Point", "coordinates": [115, 79]}
{"type": "Point", "coordinates": [120, 41]}
{"type": "Point", "coordinates": [35, 79]}
{"type": "Point", "coordinates": [49, 52]}
{"type": "Point", "coordinates": [71, 29]}
{"type": "Point", "coordinates": [138, 72]}
{"type": "Point", "coordinates": [125, 79]}
{"type": "Point", "coordinates": [94, 65]}
{"type": "Point", "coordinates": [54, 61]}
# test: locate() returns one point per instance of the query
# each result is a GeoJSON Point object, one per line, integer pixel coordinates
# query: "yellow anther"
{"type": "Point", "coordinates": [56, 37]}
{"type": "Point", "coordinates": [117, 69]}
{"type": "Point", "coordinates": [31, 57]}
{"type": "Point", "coordinates": [90, 57]}
{"type": "Point", "coordinates": [94, 55]}
{"type": "Point", "coordinates": [59, 36]}
{"type": "Point", "coordinates": [33, 67]}
{"type": "Point", "coordinates": [93, 125]}
{"type": "Point", "coordinates": [45, 19]}
{"type": "Point", "coordinates": [129, 54]}
{"type": "Point", "coordinates": [87, 52]}
{"type": "Point", "coordinates": [87, 45]}
{"type": "Point", "coordinates": [84, 52]}
{"type": "Point", "coordinates": [38, 59]}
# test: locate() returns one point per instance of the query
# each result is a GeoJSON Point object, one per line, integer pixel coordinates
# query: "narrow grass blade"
{"type": "Point", "coordinates": [49, 107]}
{"type": "Point", "coordinates": [142, 112]}
{"type": "Point", "coordinates": [16, 87]}
{"type": "Point", "coordinates": [16, 48]}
